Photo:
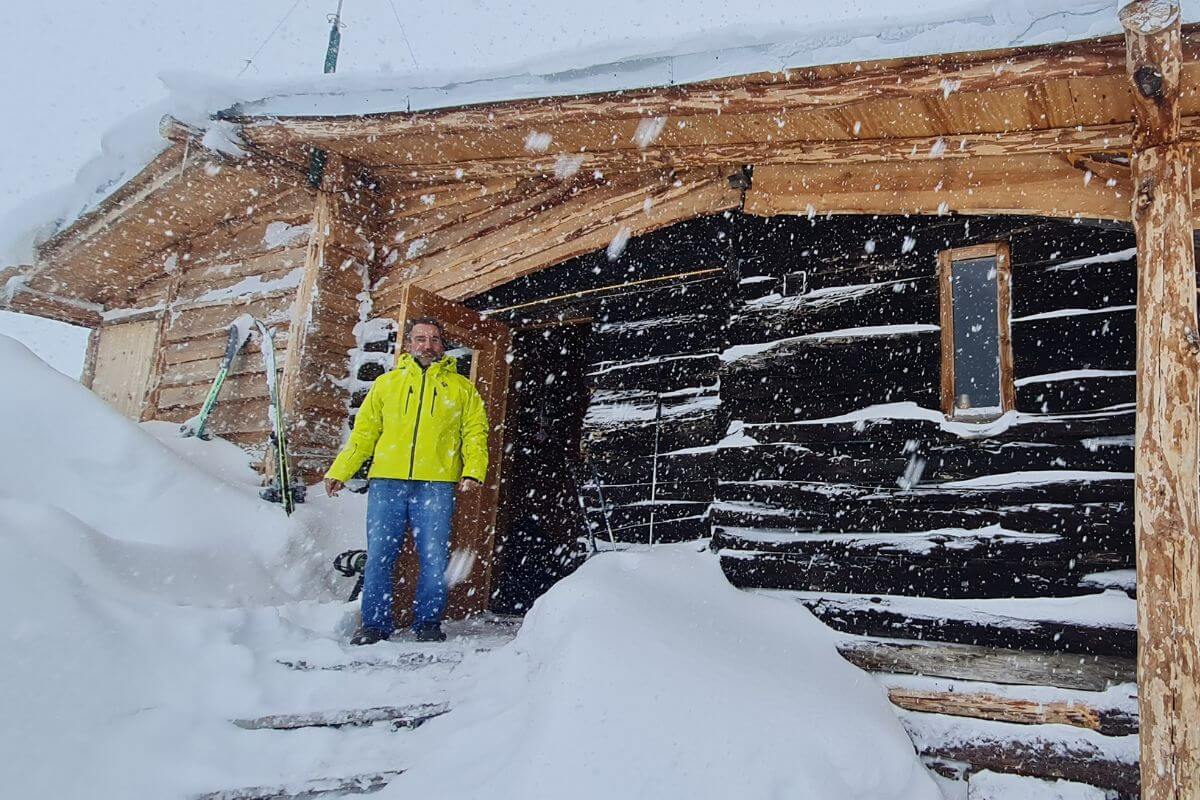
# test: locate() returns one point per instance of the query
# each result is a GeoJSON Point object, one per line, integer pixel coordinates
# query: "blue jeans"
{"type": "Point", "coordinates": [391, 506]}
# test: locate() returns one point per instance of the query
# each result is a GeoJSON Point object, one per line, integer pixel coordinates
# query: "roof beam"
{"type": "Point", "coordinates": [791, 90]}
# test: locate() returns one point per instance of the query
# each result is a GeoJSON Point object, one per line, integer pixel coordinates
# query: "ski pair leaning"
{"type": "Point", "coordinates": [239, 333]}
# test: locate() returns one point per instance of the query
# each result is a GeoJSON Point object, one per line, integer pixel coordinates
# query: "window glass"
{"type": "Point", "coordinates": [975, 299]}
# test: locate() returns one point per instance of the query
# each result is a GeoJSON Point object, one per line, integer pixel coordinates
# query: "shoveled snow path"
{"type": "Point", "coordinates": [321, 677]}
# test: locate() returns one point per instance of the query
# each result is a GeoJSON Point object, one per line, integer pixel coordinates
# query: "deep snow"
{"type": "Point", "coordinates": [153, 598]}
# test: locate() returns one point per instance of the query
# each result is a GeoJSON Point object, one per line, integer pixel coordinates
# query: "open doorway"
{"type": "Point", "coordinates": [538, 541]}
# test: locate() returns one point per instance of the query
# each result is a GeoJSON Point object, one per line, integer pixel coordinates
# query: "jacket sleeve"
{"type": "Point", "coordinates": [368, 425]}
{"type": "Point", "coordinates": [474, 437]}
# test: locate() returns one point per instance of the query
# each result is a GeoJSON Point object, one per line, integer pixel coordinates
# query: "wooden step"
{"type": "Point", "coordinates": [399, 716]}
{"type": "Point", "coordinates": [993, 664]}
{"type": "Point", "coordinates": [990, 623]}
{"type": "Point", "coordinates": [365, 783]}
{"type": "Point", "coordinates": [1039, 751]}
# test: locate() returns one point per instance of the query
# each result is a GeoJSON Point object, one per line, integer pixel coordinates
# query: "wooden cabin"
{"type": "Point", "coordinates": [867, 328]}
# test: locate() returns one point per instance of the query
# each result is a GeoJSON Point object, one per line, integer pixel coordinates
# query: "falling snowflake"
{"type": "Point", "coordinates": [537, 142]}
{"type": "Point", "coordinates": [648, 130]}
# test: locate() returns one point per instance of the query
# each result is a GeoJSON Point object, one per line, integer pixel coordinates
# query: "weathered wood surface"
{"type": "Point", "coordinates": [890, 617]}
{"type": "Point", "coordinates": [964, 701]}
{"type": "Point", "coordinates": [1166, 502]}
{"type": "Point", "coordinates": [992, 664]}
{"type": "Point", "coordinates": [1042, 751]}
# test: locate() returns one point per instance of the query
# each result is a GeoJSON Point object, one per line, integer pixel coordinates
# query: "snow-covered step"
{"type": "Point", "coordinates": [994, 664]}
{"type": "Point", "coordinates": [365, 783]}
{"type": "Point", "coordinates": [409, 716]}
{"type": "Point", "coordinates": [1040, 751]}
{"type": "Point", "coordinates": [1095, 624]}
{"type": "Point", "coordinates": [1113, 712]}
{"type": "Point", "coordinates": [400, 661]}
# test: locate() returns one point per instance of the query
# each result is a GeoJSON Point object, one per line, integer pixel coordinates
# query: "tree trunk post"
{"type": "Point", "coordinates": [1166, 486]}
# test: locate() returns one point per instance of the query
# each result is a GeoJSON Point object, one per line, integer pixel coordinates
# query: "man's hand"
{"type": "Point", "coordinates": [468, 484]}
{"type": "Point", "coordinates": [332, 487]}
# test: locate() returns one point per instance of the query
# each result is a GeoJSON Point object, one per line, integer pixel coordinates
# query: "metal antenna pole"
{"type": "Point", "coordinates": [316, 161]}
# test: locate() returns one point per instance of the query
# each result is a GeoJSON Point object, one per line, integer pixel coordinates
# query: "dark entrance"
{"type": "Point", "coordinates": [539, 538]}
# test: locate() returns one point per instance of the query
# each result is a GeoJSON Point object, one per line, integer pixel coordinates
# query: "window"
{"type": "Point", "coordinates": [976, 291]}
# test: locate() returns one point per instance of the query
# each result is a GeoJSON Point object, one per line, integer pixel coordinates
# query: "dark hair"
{"type": "Point", "coordinates": [412, 323]}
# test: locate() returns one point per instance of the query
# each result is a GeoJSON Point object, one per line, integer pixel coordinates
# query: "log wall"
{"type": "Point", "coordinates": [800, 394]}
{"type": "Point", "coordinates": [251, 267]}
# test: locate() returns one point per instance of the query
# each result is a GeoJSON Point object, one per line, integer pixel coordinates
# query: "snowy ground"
{"type": "Point", "coordinates": [154, 600]}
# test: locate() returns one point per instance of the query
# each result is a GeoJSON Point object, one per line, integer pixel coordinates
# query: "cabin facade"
{"type": "Point", "coordinates": [909, 342]}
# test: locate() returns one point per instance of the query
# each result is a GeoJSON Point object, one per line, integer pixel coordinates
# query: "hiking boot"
{"type": "Point", "coordinates": [429, 633]}
{"type": "Point", "coordinates": [367, 636]}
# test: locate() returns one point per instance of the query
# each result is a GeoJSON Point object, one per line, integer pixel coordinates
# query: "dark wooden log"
{"type": "Point", "coordinates": [878, 616]}
{"type": "Point", "coordinates": [1043, 751]}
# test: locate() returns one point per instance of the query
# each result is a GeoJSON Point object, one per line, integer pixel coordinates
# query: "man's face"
{"type": "Point", "coordinates": [425, 344]}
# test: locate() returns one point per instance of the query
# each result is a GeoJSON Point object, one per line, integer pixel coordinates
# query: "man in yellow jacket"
{"type": "Point", "coordinates": [425, 429]}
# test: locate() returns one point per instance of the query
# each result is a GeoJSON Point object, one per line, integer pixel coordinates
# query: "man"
{"type": "Point", "coordinates": [425, 427]}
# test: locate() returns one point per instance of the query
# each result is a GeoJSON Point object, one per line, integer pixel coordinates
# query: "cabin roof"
{"type": "Point", "coordinates": [1039, 129]}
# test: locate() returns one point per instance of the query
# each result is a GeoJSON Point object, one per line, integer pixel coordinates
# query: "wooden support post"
{"type": "Point", "coordinates": [321, 333]}
{"type": "Point", "coordinates": [1167, 512]}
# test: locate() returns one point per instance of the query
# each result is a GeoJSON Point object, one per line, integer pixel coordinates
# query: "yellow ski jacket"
{"type": "Point", "coordinates": [418, 424]}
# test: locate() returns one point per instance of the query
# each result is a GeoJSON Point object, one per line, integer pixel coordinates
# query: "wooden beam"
{"type": "Point", "coordinates": [760, 93]}
{"type": "Point", "coordinates": [1041, 751]}
{"type": "Point", "coordinates": [1167, 429]}
{"type": "Point", "coordinates": [992, 664]}
{"type": "Point", "coordinates": [1024, 711]}
{"type": "Point", "coordinates": [1116, 138]}
{"type": "Point", "coordinates": [23, 300]}
{"type": "Point", "coordinates": [1046, 185]}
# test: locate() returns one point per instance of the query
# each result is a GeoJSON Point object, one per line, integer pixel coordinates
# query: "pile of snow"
{"type": "Point", "coordinates": [647, 675]}
{"type": "Point", "coordinates": [152, 600]}
{"type": "Point", "coordinates": [164, 523]}
{"type": "Point", "coordinates": [135, 582]}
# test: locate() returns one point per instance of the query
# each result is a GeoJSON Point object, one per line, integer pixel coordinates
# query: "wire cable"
{"type": "Point", "coordinates": [404, 34]}
{"type": "Point", "coordinates": [270, 35]}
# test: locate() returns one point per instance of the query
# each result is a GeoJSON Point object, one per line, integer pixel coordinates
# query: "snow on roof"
{"type": "Point", "coordinates": [823, 33]}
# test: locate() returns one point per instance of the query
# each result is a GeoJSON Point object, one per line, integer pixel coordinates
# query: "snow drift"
{"type": "Point", "coordinates": [648, 675]}
{"type": "Point", "coordinates": [165, 523]}
{"type": "Point", "coordinates": [151, 602]}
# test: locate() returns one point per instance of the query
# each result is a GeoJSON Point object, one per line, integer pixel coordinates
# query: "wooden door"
{"type": "Point", "coordinates": [124, 361]}
{"type": "Point", "coordinates": [473, 535]}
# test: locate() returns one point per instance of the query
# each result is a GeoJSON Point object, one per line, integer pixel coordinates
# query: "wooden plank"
{"type": "Point", "coordinates": [1047, 185]}
{"type": "Point", "coordinates": [984, 705]}
{"type": "Point", "coordinates": [51, 306]}
{"type": "Point", "coordinates": [1166, 505]}
{"type": "Point", "coordinates": [125, 358]}
{"type": "Point", "coordinates": [993, 664]}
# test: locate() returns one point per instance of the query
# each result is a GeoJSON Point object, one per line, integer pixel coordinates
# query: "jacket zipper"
{"type": "Point", "coordinates": [433, 403]}
{"type": "Point", "coordinates": [412, 456]}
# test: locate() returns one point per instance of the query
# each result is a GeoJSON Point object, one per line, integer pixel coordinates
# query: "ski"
{"type": "Point", "coordinates": [239, 332]}
{"type": "Point", "coordinates": [281, 489]}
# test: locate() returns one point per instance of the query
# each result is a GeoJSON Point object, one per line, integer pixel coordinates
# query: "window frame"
{"type": "Point", "coordinates": [946, 260]}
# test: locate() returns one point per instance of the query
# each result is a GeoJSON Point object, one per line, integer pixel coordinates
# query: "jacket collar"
{"type": "Point", "coordinates": [446, 364]}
